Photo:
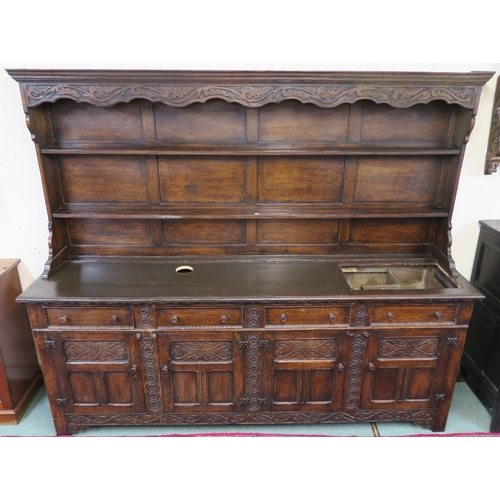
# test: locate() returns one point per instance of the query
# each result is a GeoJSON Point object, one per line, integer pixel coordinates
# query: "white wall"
{"type": "Point", "coordinates": [23, 218]}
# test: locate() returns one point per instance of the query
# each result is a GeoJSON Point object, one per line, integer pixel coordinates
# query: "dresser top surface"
{"type": "Point", "coordinates": [219, 280]}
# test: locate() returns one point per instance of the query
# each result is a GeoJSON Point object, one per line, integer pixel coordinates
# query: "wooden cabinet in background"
{"type": "Point", "coordinates": [481, 358]}
{"type": "Point", "coordinates": [20, 376]}
{"type": "Point", "coordinates": [249, 247]}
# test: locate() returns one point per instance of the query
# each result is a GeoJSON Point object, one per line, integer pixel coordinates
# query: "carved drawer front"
{"type": "Point", "coordinates": [81, 317]}
{"type": "Point", "coordinates": [324, 316]}
{"type": "Point", "coordinates": [178, 317]}
{"type": "Point", "coordinates": [397, 314]}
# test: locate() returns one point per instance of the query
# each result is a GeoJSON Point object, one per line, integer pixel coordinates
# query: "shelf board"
{"type": "Point", "coordinates": [249, 212]}
{"type": "Point", "coordinates": [251, 149]}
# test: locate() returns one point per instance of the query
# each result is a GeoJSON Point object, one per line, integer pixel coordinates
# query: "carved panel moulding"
{"type": "Point", "coordinates": [95, 350]}
{"type": "Point", "coordinates": [493, 153]}
{"type": "Point", "coordinates": [250, 95]}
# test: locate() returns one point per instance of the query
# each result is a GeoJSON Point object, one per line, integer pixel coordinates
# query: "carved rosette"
{"type": "Point", "coordinates": [493, 153]}
{"type": "Point", "coordinates": [151, 372]}
{"type": "Point", "coordinates": [253, 315]}
{"type": "Point", "coordinates": [361, 317]}
{"type": "Point", "coordinates": [305, 349]}
{"type": "Point", "coordinates": [408, 348]}
{"type": "Point", "coordinates": [201, 351]}
{"type": "Point", "coordinates": [145, 320]}
{"type": "Point", "coordinates": [355, 370]}
{"type": "Point", "coordinates": [251, 95]}
{"type": "Point", "coordinates": [95, 350]}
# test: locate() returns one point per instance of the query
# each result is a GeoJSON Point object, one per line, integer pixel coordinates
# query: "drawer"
{"type": "Point", "coordinates": [325, 316]}
{"type": "Point", "coordinates": [434, 313]}
{"type": "Point", "coordinates": [176, 317]}
{"type": "Point", "coordinates": [81, 317]}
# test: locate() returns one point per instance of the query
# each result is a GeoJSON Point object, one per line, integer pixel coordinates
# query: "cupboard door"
{"type": "Point", "coordinates": [306, 370]}
{"type": "Point", "coordinates": [200, 371]}
{"type": "Point", "coordinates": [403, 369]}
{"type": "Point", "coordinates": [97, 371]}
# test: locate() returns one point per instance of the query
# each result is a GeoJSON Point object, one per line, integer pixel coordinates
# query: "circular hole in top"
{"type": "Point", "coordinates": [184, 269]}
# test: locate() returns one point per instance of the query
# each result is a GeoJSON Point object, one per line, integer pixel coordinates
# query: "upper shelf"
{"type": "Point", "coordinates": [251, 149]}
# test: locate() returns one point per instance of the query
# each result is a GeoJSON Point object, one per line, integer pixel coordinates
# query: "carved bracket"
{"type": "Point", "coordinates": [493, 153]}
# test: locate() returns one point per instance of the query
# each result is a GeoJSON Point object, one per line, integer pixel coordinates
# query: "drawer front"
{"type": "Point", "coordinates": [434, 313]}
{"type": "Point", "coordinates": [178, 317]}
{"type": "Point", "coordinates": [81, 317]}
{"type": "Point", "coordinates": [324, 316]}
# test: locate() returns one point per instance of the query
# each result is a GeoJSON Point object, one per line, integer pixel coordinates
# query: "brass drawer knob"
{"type": "Point", "coordinates": [438, 314]}
{"type": "Point", "coordinates": [63, 319]}
{"type": "Point", "coordinates": [173, 319]}
{"type": "Point", "coordinates": [113, 319]}
{"type": "Point", "coordinates": [223, 319]}
{"type": "Point", "coordinates": [283, 318]}
{"type": "Point", "coordinates": [390, 316]}
{"type": "Point", "coordinates": [332, 317]}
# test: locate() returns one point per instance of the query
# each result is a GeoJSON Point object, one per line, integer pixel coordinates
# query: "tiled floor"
{"type": "Point", "coordinates": [467, 415]}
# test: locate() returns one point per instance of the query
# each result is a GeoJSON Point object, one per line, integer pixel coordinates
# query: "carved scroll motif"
{"type": "Point", "coordinates": [408, 348]}
{"type": "Point", "coordinates": [251, 96]}
{"type": "Point", "coordinates": [253, 375]}
{"type": "Point", "coordinates": [493, 153]}
{"type": "Point", "coordinates": [151, 372]}
{"type": "Point", "coordinates": [305, 349]}
{"type": "Point", "coordinates": [201, 351]}
{"type": "Point", "coordinates": [95, 350]}
{"type": "Point", "coordinates": [355, 370]}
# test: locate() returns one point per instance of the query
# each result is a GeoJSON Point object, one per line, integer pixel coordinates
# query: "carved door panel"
{"type": "Point", "coordinates": [97, 371]}
{"type": "Point", "coordinates": [402, 369]}
{"type": "Point", "coordinates": [305, 370]}
{"type": "Point", "coordinates": [200, 371]}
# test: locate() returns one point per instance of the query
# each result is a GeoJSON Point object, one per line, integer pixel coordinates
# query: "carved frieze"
{"type": "Point", "coordinates": [251, 95]}
{"type": "Point", "coordinates": [493, 153]}
{"type": "Point", "coordinates": [408, 348]}
{"type": "Point", "coordinates": [201, 351]}
{"type": "Point", "coordinates": [79, 421]}
{"type": "Point", "coordinates": [305, 349]}
{"type": "Point", "coordinates": [94, 350]}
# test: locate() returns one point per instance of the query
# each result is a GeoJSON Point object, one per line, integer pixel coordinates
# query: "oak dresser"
{"type": "Point", "coordinates": [249, 247]}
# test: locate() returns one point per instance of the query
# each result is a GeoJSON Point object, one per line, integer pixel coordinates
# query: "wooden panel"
{"type": "Point", "coordinates": [202, 180]}
{"type": "Point", "coordinates": [220, 387]}
{"type": "Point", "coordinates": [420, 383]}
{"type": "Point", "coordinates": [385, 383]}
{"type": "Point", "coordinates": [419, 123]}
{"type": "Point", "coordinates": [103, 179]}
{"type": "Point", "coordinates": [293, 121]}
{"type": "Point", "coordinates": [117, 388]}
{"type": "Point", "coordinates": [82, 386]}
{"type": "Point", "coordinates": [80, 122]}
{"type": "Point", "coordinates": [110, 232]}
{"type": "Point", "coordinates": [390, 231]}
{"type": "Point", "coordinates": [213, 121]}
{"type": "Point", "coordinates": [285, 386]}
{"type": "Point", "coordinates": [300, 180]}
{"type": "Point", "coordinates": [204, 232]}
{"type": "Point", "coordinates": [63, 317]}
{"type": "Point", "coordinates": [185, 387]}
{"type": "Point", "coordinates": [320, 386]}
{"type": "Point", "coordinates": [397, 180]}
{"type": "Point", "coordinates": [296, 232]}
